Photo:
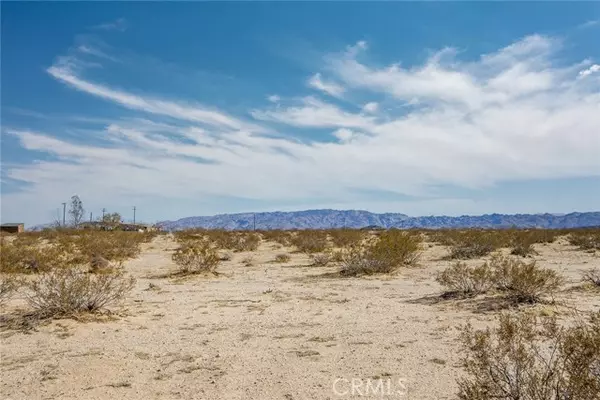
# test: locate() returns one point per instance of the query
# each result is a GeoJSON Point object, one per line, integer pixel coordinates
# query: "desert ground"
{"type": "Point", "coordinates": [269, 331]}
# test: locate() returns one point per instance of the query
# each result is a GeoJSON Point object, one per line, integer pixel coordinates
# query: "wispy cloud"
{"type": "Point", "coordinates": [65, 70]}
{"type": "Point", "coordinates": [589, 24]}
{"type": "Point", "coordinates": [120, 24]}
{"type": "Point", "coordinates": [469, 124]}
{"type": "Point", "coordinates": [331, 88]}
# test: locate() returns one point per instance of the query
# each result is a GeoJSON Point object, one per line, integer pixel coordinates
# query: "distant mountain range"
{"type": "Point", "coordinates": [324, 219]}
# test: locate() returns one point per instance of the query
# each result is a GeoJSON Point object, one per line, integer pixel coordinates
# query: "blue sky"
{"type": "Point", "coordinates": [188, 109]}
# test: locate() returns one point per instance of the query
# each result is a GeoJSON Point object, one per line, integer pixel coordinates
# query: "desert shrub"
{"type": "Point", "coordinates": [346, 237]}
{"type": "Point", "coordinates": [9, 284]}
{"type": "Point", "coordinates": [282, 258]}
{"type": "Point", "coordinates": [472, 244]}
{"type": "Point", "coordinates": [247, 241]}
{"type": "Point", "coordinates": [592, 276]}
{"type": "Point", "coordinates": [528, 359]}
{"type": "Point", "coordinates": [17, 257]}
{"type": "Point", "coordinates": [66, 292]}
{"type": "Point", "coordinates": [111, 245]}
{"type": "Point", "coordinates": [524, 282]}
{"type": "Point", "coordinates": [310, 241]}
{"type": "Point", "coordinates": [467, 281]}
{"type": "Point", "coordinates": [196, 257]}
{"type": "Point", "coordinates": [222, 239]}
{"type": "Point", "coordinates": [278, 236]}
{"type": "Point", "coordinates": [522, 242]}
{"type": "Point", "coordinates": [321, 259]}
{"type": "Point", "coordinates": [392, 250]}
{"type": "Point", "coordinates": [585, 239]}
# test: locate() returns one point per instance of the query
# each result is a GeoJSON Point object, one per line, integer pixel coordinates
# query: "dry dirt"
{"type": "Point", "coordinates": [267, 331]}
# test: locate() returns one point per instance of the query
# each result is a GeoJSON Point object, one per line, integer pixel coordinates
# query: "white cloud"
{"type": "Point", "coordinates": [119, 24]}
{"type": "Point", "coordinates": [65, 71]}
{"type": "Point", "coordinates": [274, 98]}
{"type": "Point", "coordinates": [371, 107]}
{"type": "Point", "coordinates": [589, 24]}
{"type": "Point", "coordinates": [592, 69]}
{"type": "Point", "coordinates": [511, 115]}
{"type": "Point", "coordinates": [331, 88]}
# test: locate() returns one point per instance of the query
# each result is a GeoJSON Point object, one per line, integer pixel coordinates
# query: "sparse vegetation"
{"type": "Point", "coordinates": [8, 286]}
{"type": "Point", "coordinates": [27, 257]}
{"type": "Point", "coordinates": [321, 259]}
{"type": "Point", "coordinates": [310, 241]}
{"type": "Point", "coordinates": [467, 281]}
{"type": "Point", "coordinates": [392, 250]}
{"type": "Point", "coordinates": [346, 237]}
{"type": "Point", "coordinates": [66, 292]}
{"type": "Point", "coordinates": [196, 257]}
{"type": "Point", "coordinates": [586, 239]}
{"type": "Point", "coordinates": [222, 239]}
{"type": "Point", "coordinates": [520, 282]}
{"type": "Point", "coordinates": [528, 359]}
{"type": "Point", "coordinates": [277, 236]}
{"type": "Point", "coordinates": [282, 258]}
{"type": "Point", "coordinates": [524, 282]}
{"type": "Point", "coordinates": [472, 244]}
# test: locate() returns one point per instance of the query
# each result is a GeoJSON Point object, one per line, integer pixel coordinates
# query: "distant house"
{"type": "Point", "coordinates": [12, 228]}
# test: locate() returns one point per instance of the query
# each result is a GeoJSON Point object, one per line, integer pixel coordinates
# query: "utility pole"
{"type": "Point", "coordinates": [254, 215]}
{"type": "Point", "coordinates": [64, 213]}
{"type": "Point", "coordinates": [90, 216]}
{"type": "Point", "coordinates": [134, 215]}
{"type": "Point", "coordinates": [103, 211]}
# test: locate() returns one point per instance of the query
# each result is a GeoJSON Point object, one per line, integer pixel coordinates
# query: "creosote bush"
{"type": "Point", "coordinates": [525, 358]}
{"type": "Point", "coordinates": [585, 239]}
{"type": "Point", "coordinates": [282, 258]}
{"type": "Point", "coordinates": [66, 292]}
{"type": "Point", "coordinates": [196, 257]}
{"type": "Point", "coordinates": [310, 241]}
{"type": "Point", "coordinates": [321, 259]}
{"type": "Point", "coordinates": [519, 281]}
{"type": "Point", "coordinates": [392, 250]}
{"type": "Point", "coordinates": [26, 257]}
{"type": "Point", "coordinates": [472, 244]}
{"type": "Point", "coordinates": [467, 281]}
{"type": "Point", "coordinates": [524, 282]}
{"type": "Point", "coordinates": [222, 239]}
{"type": "Point", "coordinates": [346, 237]}
{"type": "Point", "coordinates": [278, 236]}
{"type": "Point", "coordinates": [9, 284]}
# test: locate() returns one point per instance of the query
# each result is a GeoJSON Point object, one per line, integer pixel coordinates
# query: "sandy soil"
{"type": "Point", "coordinates": [267, 331]}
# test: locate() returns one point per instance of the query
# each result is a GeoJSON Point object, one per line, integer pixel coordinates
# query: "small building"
{"type": "Point", "coordinates": [12, 228]}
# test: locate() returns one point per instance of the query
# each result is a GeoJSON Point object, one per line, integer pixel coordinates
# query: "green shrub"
{"type": "Point", "coordinates": [392, 250]}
